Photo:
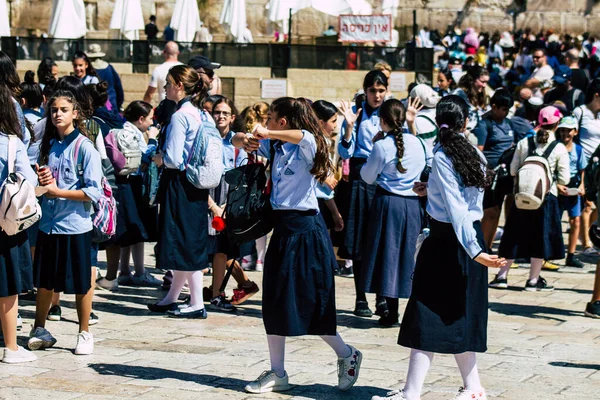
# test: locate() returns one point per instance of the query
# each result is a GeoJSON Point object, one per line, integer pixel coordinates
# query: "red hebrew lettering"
{"type": "Point", "coordinates": [368, 28]}
{"type": "Point", "coordinates": [345, 28]}
{"type": "Point", "coordinates": [384, 28]}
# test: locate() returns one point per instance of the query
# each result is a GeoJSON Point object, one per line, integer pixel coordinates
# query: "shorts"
{"type": "Point", "coordinates": [570, 204]}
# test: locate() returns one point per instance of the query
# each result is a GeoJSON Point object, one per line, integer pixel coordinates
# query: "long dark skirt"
{"type": "Point", "coordinates": [63, 263]}
{"type": "Point", "coordinates": [342, 195]}
{"type": "Point", "coordinates": [533, 233]}
{"type": "Point", "coordinates": [183, 225]}
{"type": "Point", "coordinates": [130, 227]}
{"type": "Point", "coordinates": [448, 309]}
{"type": "Point", "coordinates": [16, 274]}
{"type": "Point", "coordinates": [360, 200]}
{"type": "Point", "coordinates": [298, 286]}
{"type": "Point", "coordinates": [148, 214]}
{"type": "Point", "coordinates": [389, 257]}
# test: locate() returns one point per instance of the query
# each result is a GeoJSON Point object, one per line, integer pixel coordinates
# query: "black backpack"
{"type": "Point", "coordinates": [248, 211]}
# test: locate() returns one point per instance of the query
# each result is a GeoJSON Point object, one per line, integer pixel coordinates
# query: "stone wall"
{"type": "Point", "coordinates": [562, 15]}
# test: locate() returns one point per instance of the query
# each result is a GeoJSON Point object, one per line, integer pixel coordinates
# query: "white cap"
{"type": "Point", "coordinates": [426, 95]}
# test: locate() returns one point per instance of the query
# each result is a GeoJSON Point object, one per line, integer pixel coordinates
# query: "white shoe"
{"type": "Point", "coordinates": [40, 339]}
{"type": "Point", "coordinates": [393, 395]}
{"type": "Point", "coordinates": [146, 279]}
{"type": "Point", "coordinates": [348, 369]}
{"type": "Point", "coordinates": [464, 394]}
{"type": "Point", "coordinates": [85, 343]}
{"type": "Point", "coordinates": [267, 382]}
{"type": "Point", "coordinates": [105, 284]}
{"type": "Point", "coordinates": [259, 266]}
{"type": "Point", "coordinates": [21, 355]}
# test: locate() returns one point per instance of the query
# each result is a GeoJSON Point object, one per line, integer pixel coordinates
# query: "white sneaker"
{"type": "Point", "coordinates": [85, 343]}
{"type": "Point", "coordinates": [21, 355]}
{"type": "Point", "coordinates": [259, 266]}
{"type": "Point", "coordinates": [247, 263]}
{"type": "Point", "coordinates": [146, 279]}
{"type": "Point", "coordinates": [40, 339]}
{"type": "Point", "coordinates": [464, 394]}
{"type": "Point", "coordinates": [268, 381]}
{"type": "Point", "coordinates": [393, 395]}
{"type": "Point", "coordinates": [105, 284]}
{"type": "Point", "coordinates": [348, 369]}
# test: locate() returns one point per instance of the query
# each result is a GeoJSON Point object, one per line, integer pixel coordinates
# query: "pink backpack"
{"type": "Point", "coordinates": [104, 218]}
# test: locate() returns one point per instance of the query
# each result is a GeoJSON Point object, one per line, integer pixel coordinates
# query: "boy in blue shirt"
{"type": "Point", "coordinates": [569, 195]}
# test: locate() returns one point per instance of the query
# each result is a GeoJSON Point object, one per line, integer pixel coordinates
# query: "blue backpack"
{"type": "Point", "coordinates": [204, 167]}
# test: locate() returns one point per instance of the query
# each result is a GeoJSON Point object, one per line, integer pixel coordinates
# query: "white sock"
{"type": "Point", "coordinates": [342, 350]}
{"type": "Point", "coordinates": [419, 364]}
{"type": "Point", "coordinates": [535, 269]}
{"type": "Point", "coordinates": [195, 279]}
{"type": "Point", "coordinates": [467, 363]}
{"type": "Point", "coordinates": [179, 278]}
{"type": "Point", "coordinates": [261, 249]}
{"type": "Point", "coordinates": [348, 263]}
{"type": "Point", "coordinates": [277, 354]}
{"type": "Point", "coordinates": [503, 273]}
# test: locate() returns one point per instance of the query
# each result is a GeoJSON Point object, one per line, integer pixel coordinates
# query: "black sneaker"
{"type": "Point", "coordinates": [540, 286]}
{"type": "Point", "coordinates": [220, 303]}
{"type": "Point", "coordinates": [498, 283]}
{"type": "Point", "coordinates": [54, 314]}
{"type": "Point", "coordinates": [388, 321]}
{"type": "Point", "coordinates": [182, 313]}
{"type": "Point", "coordinates": [345, 272]}
{"type": "Point", "coordinates": [573, 262]}
{"type": "Point", "coordinates": [93, 319]}
{"type": "Point", "coordinates": [592, 309]}
{"type": "Point", "coordinates": [381, 309]}
{"type": "Point", "coordinates": [362, 309]}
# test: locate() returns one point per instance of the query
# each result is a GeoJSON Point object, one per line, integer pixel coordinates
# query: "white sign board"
{"type": "Point", "coordinates": [398, 82]}
{"type": "Point", "coordinates": [273, 88]}
{"type": "Point", "coordinates": [365, 28]}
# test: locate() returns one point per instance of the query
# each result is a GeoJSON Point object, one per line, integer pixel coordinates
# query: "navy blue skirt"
{"type": "Point", "coordinates": [360, 200]}
{"type": "Point", "coordinates": [16, 275]}
{"type": "Point", "coordinates": [130, 228]}
{"type": "Point", "coordinates": [298, 285]}
{"type": "Point", "coordinates": [220, 243]}
{"type": "Point", "coordinates": [63, 263]}
{"type": "Point", "coordinates": [148, 214]}
{"type": "Point", "coordinates": [389, 257]}
{"type": "Point", "coordinates": [533, 233]}
{"type": "Point", "coordinates": [448, 308]}
{"type": "Point", "coordinates": [183, 225]}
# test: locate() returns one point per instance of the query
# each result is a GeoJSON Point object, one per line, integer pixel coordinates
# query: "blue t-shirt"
{"type": "Point", "coordinates": [577, 161]}
{"type": "Point", "coordinates": [495, 138]}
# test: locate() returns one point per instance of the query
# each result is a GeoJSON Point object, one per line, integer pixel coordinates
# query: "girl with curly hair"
{"type": "Point", "coordinates": [448, 306]}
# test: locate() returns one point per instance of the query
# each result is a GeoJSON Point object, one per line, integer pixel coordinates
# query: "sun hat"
{"type": "Point", "coordinates": [95, 51]}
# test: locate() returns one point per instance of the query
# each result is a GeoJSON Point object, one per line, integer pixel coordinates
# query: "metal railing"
{"type": "Point", "coordinates": [271, 55]}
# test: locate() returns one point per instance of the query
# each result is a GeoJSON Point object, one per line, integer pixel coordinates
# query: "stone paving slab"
{"type": "Point", "coordinates": [539, 347]}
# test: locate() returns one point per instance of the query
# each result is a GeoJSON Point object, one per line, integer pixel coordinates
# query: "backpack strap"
{"type": "Point", "coordinates": [549, 149]}
{"type": "Point", "coordinates": [12, 153]}
{"type": "Point", "coordinates": [428, 135]}
{"type": "Point", "coordinates": [531, 146]}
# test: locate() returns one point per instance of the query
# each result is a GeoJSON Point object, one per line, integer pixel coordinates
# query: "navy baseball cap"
{"type": "Point", "coordinates": [198, 62]}
{"type": "Point", "coordinates": [562, 74]}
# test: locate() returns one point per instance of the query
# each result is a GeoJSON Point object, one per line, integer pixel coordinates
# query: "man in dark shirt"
{"type": "Point", "coordinates": [151, 29]}
{"type": "Point", "coordinates": [563, 91]}
{"type": "Point", "coordinates": [581, 77]}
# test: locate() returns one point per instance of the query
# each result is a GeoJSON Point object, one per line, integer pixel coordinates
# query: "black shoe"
{"type": "Point", "coordinates": [573, 262]}
{"type": "Point", "coordinates": [346, 272]}
{"type": "Point", "coordinates": [381, 309]}
{"type": "Point", "coordinates": [362, 309]}
{"type": "Point", "coordinates": [198, 314]}
{"type": "Point", "coordinates": [220, 303]}
{"type": "Point", "coordinates": [592, 309]}
{"type": "Point", "coordinates": [29, 296]}
{"type": "Point", "coordinates": [388, 321]}
{"type": "Point", "coordinates": [94, 319]}
{"type": "Point", "coordinates": [498, 283]}
{"type": "Point", "coordinates": [54, 313]}
{"type": "Point", "coordinates": [540, 286]}
{"type": "Point", "coordinates": [162, 309]}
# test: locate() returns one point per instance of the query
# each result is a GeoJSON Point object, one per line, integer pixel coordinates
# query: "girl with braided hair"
{"type": "Point", "coordinates": [395, 164]}
{"type": "Point", "coordinates": [448, 306]}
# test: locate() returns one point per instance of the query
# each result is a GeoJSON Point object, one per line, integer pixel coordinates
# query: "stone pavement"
{"type": "Point", "coordinates": [540, 347]}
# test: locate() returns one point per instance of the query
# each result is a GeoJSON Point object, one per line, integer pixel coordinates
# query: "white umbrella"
{"type": "Point", "coordinates": [185, 20]}
{"type": "Point", "coordinates": [279, 10]}
{"type": "Point", "coordinates": [127, 18]}
{"type": "Point", "coordinates": [390, 7]}
{"type": "Point", "coordinates": [68, 19]}
{"type": "Point", "coordinates": [4, 23]}
{"type": "Point", "coordinates": [233, 17]}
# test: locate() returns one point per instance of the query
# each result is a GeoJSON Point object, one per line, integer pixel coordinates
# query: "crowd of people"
{"type": "Point", "coordinates": [406, 201]}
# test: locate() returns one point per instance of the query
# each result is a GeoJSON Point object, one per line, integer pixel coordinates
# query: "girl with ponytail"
{"type": "Point", "coordinates": [448, 306]}
{"type": "Point", "coordinates": [396, 216]}
{"type": "Point", "coordinates": [182, 223]}
{"type": "Point", "coordinates": [537, 234]}
{"type": "Point", "coordinates": [298, 285]}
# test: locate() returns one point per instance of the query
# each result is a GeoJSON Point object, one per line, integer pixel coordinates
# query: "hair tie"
{"type": "Point", "coordinates": [442, 126]}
